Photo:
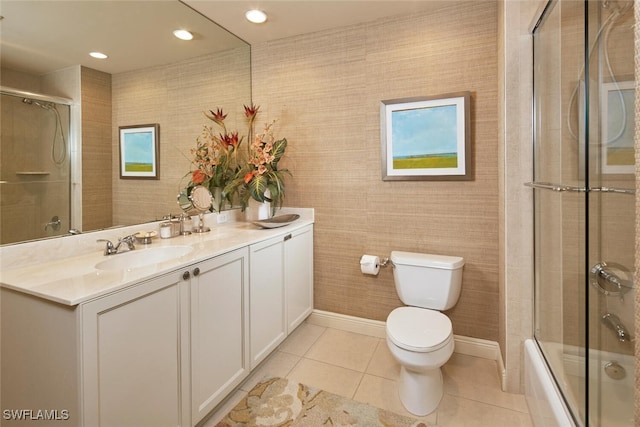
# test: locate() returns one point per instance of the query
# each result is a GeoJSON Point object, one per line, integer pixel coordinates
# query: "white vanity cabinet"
{"type": "Point", "coordinates": [219, 329]}
{"type": "Point", "coordinates": [266, 298]}
{"type": "Point", "coordinates": [144, 348]}
{"type": "Point", "coordinates": [134, 347]}
{"type": "Point", "coordinates": [298, 277]}
{"type": "Point", "coordinates": [162, 349]}
{"type": "Point", "coordinates": [280, 290]}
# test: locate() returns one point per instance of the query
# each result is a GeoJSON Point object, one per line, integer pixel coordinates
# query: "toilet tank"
{"type": "Point", "coordinates": [428, 281]}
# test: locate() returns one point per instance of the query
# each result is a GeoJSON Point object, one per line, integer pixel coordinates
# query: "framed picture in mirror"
{"type": "Point", "coordinates": [139, 151]}
{"type": "Point", "coordinates": [618, 125]}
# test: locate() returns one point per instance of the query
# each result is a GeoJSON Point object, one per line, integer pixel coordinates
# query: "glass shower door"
{"type": "Point", "coordinates": [35, 171]}
{"type": "Point", "coordinates": [584, 179]}
{"type": "Point", "coordinates": [611, 213]}
{"type": "Point", "coordinates": [560, 199]}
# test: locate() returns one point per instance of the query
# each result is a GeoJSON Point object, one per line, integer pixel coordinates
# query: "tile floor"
{"type": "Point", "coordinates": [362, 368]}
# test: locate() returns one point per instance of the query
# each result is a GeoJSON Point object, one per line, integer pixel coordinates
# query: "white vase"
{"type": "Point", "coordinates": [257, 211]}
{"type": "Point", "coordinates": [218, 201]}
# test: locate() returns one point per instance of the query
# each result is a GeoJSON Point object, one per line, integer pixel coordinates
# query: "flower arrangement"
{"type": "Point", "coordinates": [215, 157]}
{"type": "Point", "coordinates": [220, 165]}
{"type": "Point", "coordinates": [259, 178]}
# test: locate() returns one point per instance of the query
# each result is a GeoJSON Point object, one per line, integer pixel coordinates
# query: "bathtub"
{"type": "Point", "coordinates": [611, 400]}
{"type": "Point", "coordinates": [546, 404]}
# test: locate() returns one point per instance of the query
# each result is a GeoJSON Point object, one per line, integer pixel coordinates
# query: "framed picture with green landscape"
{"type": "Point", "coordinates": [139, 151]}
{"type": "Point", "coordinates": [426, 138]}
{"type": "Point", "coordinates": [617, 125]}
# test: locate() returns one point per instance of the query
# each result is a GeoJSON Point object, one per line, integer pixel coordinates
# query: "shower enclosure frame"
{"type": "Point", "coordinates": [584, 191]}
{"type": "Point", "coordinates": [72, 152]}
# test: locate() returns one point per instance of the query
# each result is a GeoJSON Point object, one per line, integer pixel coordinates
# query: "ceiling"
{"type": "Point", "coordinates": [294, 17]}
{"type": "Point", "coordinates": [41, 36]}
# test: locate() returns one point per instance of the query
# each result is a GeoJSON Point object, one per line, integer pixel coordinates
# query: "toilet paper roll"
{"type": "Point", "coordinates": [370, 264]}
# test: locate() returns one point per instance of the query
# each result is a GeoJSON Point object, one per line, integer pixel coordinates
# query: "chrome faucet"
{"type": "Point", "coordinates": [613, 322]}
{"type": "Point", "coordinates": [112, 249]}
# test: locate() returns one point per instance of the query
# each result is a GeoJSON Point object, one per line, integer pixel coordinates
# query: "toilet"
{"type": "Point", "coordinates": [419, 336]}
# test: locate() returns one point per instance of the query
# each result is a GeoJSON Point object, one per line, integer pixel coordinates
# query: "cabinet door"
{"type": "Point", "coordinates": [298, 264]}
{"type": "Point", "coordinates": [131, 356]}
{"type": "Point", "coordinates": [266, 298]}
{"type": "Point", "coordinates": [219, 329]}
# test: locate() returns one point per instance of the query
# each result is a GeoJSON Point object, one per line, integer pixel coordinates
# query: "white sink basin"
{"type": "Point", "coordinates": [143, 257]}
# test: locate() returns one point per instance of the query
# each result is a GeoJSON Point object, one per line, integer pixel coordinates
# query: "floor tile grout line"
{"type": "Point", "coordinates": [279, 348]}
{"type": "Point", "coordinates": [353, 397]}
{"type": "Point", "coordinates": [455, 396]}
{"type": "Point", "coordinates": [335, 366]}
{"type": "Point", "coordinates": [366, 368]}
{"type": "Point", "coordinates": [315, 341]}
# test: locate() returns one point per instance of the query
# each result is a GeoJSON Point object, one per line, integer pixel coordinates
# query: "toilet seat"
{"type": "Point", "coordinates": [419, 329]}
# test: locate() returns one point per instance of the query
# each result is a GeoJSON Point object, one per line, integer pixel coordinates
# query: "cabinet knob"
{"type": "Point", "coordinates": [186, 275]}
{"type": "Point", "coordinates": [287, 237]}
{"type": "Point", "coordinates": [196, 272]}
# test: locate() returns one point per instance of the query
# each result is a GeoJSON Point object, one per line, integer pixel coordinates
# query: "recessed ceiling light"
{"type": "Point", "coordinates": [98, 55]}
{"type": "Point", "coordinates": [183, 34]}
{"type": "Point", "coordinates": [256, 16]}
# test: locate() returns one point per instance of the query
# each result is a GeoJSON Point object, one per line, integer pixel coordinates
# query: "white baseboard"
{"type": "Point", "coordinates": [376, 328]}
{"type": "Point", "coordinates": [359, 325]}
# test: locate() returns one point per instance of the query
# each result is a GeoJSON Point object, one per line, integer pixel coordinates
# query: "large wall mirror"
{"type": "Point", "coordinates": [62, 109]}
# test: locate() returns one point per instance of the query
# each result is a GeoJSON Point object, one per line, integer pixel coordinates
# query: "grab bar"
{"type": "Point", "coordinates": [568, 188]}
{"type": "Point", "coordinates": [614, 190]}
{"type": "Point", "coordinates": [554, 187]}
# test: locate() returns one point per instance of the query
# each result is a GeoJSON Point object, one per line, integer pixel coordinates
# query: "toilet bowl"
{"type": "Point", "coordinates": [421, 341]}
{"type": "Point", "coordinates": [420, 337]}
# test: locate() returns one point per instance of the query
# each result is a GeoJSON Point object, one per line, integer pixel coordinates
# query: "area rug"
{"type": "Point", "coordinates": [279, 402]}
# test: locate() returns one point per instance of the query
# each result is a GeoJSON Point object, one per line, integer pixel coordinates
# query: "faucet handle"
{"type": "Point", "coordinates": [183, 219]}
{"type": "Point", "coordinates": [109, 249]}
{"type": "Point", "coordinates": [129, 240]}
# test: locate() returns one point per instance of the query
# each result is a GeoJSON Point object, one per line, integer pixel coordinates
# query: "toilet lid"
{"type": "Point", "coordinates": [418, 329]}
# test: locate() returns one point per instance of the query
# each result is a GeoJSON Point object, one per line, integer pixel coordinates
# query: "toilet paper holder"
{"type": "Point", "coordinates": [378, 261]}
{"type": "Point", "coordinates": [371, 264]}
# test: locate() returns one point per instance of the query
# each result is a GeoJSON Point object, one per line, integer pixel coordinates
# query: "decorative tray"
{"type": "Point", "coordinates": [145, 236]}
{"type": "Point", "coordinates": [276, 221]}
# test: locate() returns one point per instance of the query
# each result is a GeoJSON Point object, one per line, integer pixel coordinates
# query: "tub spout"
{"type": "Point", "coordinates": [613, 322]}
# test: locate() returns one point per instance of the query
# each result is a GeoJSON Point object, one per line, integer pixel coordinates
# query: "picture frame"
{"type": "Point", "coordinates": [426, 138]}
{"type": "Point", "coordinates": [617, 127]}
{"type": "Point", "coordinates": [139, 151]}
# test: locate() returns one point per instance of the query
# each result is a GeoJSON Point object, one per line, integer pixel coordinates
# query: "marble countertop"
{"type": "Point", "coordinates": [72, 277]}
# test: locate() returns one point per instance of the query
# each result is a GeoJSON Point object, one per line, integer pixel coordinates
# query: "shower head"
{"type": "Point", "coordinates": [57, 155]}
{"type": "Point", "coordinates": [46, 106]}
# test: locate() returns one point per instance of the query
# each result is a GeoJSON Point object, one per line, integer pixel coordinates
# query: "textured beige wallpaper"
{"type": "Point", "coordinates": [174, 96]}
{"type": "Point", "coordinates": [325, 89]}
{"type": "Point", "coordinates": [96, 149]}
